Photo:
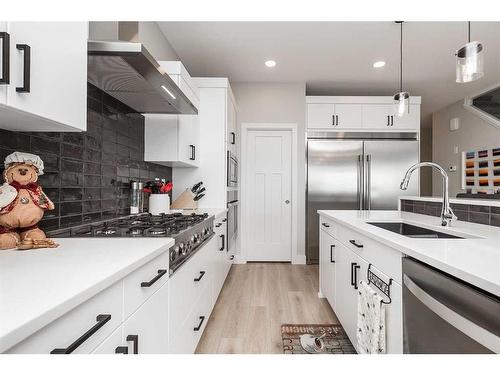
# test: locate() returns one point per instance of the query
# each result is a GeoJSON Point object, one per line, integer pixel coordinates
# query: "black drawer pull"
{"type": "Point", "coordinates": [147, 284]}
{"type": "Point", "coordinates": [356, 244]}
{"type": "Point", "coordinates": [331, 253]}
{"type": "Point", "coordinates": [218, 225]}
{"type": "Point", "coordinates": [5, 37]}
{"type": "Point", "coordinates": [202, 273]}
{"type": "Point", "coordinates": [326, 225]}
{"type": "Point", "coordinates": [193, 152]}
{"type": "Point", "coordinates": [26, 68]}
{"type": "Point", "coordinates": [121, 350]}
{"type": "Point", "coordinates": [224, 220]}
{"type": "Point", "coordinates": [202, 319]}
{"type": "Point", "coordinates": [356, 268]}
{"type": "Point", "coordinates": [233, 138]}
{"type": "Point", "coordinates": [101, 321]}
{"type": "Point", "coordinates": [352, 273]}
{"type": "Point", "coordinates": [223, 242]}
{"type": "Point", "coordinates": [135, 340]}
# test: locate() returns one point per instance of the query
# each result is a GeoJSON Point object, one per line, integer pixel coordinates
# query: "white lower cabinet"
{"type": "Point", "coordinates": [113, 344]}
{"type": "Point", "coordinates": [351, 265]}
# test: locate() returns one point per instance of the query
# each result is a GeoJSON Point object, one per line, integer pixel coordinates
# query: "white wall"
{"type": "Point", "coordinates": [474, 134]}
{"type": "Point", "coordinates": [278, 103]}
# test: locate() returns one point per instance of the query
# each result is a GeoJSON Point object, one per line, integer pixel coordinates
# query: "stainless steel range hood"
{"type": "Point", "coordinates": [128, 72]}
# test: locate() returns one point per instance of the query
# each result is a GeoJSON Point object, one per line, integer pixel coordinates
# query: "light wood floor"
{"type": "Point", "coordinates": [257, 298]}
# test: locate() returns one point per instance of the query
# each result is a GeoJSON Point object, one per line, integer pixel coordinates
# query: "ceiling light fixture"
{"type": "Point", "coordinates": [270, 63]}
{"type": "Point", "coordinates": [378, 64]}
{"type": "Point", "coordinates": [168, 91]}
{"type": "Point", "coordinates": [470, 57]}
{"type": "Point", "coordinates": [402, 98]}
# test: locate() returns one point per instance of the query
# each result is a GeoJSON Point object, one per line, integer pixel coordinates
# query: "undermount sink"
{"type": "Point", "coordinates": [413, 231]}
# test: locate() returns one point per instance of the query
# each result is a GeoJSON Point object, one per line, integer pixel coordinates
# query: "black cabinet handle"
{"type": "Point", "coordinates": [223, 237]}
{"type": "Point", "coordinates": [337, 117]}
{"type": "Point", "coordinates": [233, 138]}
{"type": "Point", "coordinates": [352, 273]}
{"type": "Point", "coordinates": [147, 284]}
{"type": "Point", "coordinates": [5, 37]}
{"type": "Point", "coordinates": [331, 253]}
{"type": "Point", "coordinates": [356, 268]}
{"type": "Point", "coordinates": [26, 68]}
{"type": "Point", "coordinates": [202, 319]}
{"type": "Point", "coordinates": [135, 340]}
{"type": "Point", "coordinates": [193, 152]}
{"type": "Point", "coordinates": [102, 319]}
{"type": "Point", "coordinates": [359, 246]}
{"type": "Point", "coordinates": [121, 350]}
{"type": "Point", "coordinates": [202, 273]}
{"type": "Point", "coordinates": [326, 225]}
{"type": "Point", "coordinates": [224, 220]}
{"type": "Point", "coordinates": [392, 120]}
{"type": "Point", "coordinates": [388, 121]}
{"type": "Point", "coordinates": [218, 225]}
{"type": "Point", "coordinates": [333, 120]}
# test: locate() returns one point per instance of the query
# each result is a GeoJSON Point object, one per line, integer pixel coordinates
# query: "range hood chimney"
{"type": "Point", "coordinates": [129, 73]}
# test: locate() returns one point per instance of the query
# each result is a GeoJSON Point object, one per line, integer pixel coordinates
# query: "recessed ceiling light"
{"type": "Point", "coordinates": [270, 63]}
{"type": "Point", "coordinates": [378, 64]}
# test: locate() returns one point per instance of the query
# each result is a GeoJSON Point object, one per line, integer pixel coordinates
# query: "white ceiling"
{"type": "Point", "coordinates": [336, 58]}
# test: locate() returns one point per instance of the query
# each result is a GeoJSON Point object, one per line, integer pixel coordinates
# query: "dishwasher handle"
{"type": "Point", "coordinates": [471, 329]}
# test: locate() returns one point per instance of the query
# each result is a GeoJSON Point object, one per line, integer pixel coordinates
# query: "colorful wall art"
{"type": "Point", "coordinates": [481, 171]}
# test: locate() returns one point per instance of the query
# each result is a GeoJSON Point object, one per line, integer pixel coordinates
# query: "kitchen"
{"type": "Point", "coordinates": [166, 199]}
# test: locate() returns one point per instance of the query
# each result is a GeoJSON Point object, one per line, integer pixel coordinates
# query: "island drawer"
{"type": "Point", "coordinates": [143, 282]}
{"type": "Point", "coordinates": [80, 330]}
{"type": "Point", "coordinates": [385, 258]}
{"type": "Point", "coordinates": [327, 225]}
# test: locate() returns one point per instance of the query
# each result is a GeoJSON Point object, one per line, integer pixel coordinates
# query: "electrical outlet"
{"type": "Point", "coordinates": [452, 168]}
{"type": "Point", "coordinates": [455, 149]}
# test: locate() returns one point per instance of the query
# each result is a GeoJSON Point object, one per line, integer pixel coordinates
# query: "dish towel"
{"type": "Point", "coordinates": [371, 321]}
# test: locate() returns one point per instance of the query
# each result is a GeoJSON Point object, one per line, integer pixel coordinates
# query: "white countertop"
{"type": "Point", "coordinates": [38, 286]}
{"type": "Point", "coordinates": [474, 260]}
{"type": "Point", "coordinates": [475, 202]}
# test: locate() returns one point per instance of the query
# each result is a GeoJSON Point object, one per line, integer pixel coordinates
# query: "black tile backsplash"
{"type": "Point", "coordinates": [489, 215]}
{"type": "Point", "coordinates": [87, 174]}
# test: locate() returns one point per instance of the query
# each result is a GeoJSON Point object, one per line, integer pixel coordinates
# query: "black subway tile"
{"type": "Point", "coordinates": [72, 151]}
{"type": "Point", "coordinates": [71, 194]}
{"type": "Point", "coordinates": [41, 145]}
{"type": "Point", "coordinates": [71, 208]}
{"type": "Point", "coordinates": [495, 220]}
{"type": "Point", "coordinates": [479, 218]}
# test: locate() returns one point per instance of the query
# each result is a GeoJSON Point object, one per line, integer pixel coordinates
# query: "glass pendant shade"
{"type": "Point", "coordinates": [470, 62]}
{"type": "Point", "coordinates": [402, 103]}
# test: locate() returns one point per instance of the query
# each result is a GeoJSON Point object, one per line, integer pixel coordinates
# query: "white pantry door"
{"type": "Point", "coordinates": [269, 189]}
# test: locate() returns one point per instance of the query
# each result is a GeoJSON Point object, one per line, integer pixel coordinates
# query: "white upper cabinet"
{"type": "Point", "coordinates": [231, 131]}
{"type": "Point", "coordinates": [360, 113]}
{"type": "Point", "coordinates": [173, 140]}
{"type": "Point", "coordinates": [320, 115]}
{"type": "Point", "coordinates": [47, 89]}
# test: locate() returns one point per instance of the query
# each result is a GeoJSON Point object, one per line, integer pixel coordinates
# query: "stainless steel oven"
{"type": "Point", "coordinates": [232, 219]}
{"type": "Point", "coordinates": [232, 170]}
{"type": "Point", "coordinates": [444, 315]}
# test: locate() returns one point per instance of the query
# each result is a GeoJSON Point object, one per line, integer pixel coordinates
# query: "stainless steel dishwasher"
{"type": "Point", "coordinates": [444, 315]}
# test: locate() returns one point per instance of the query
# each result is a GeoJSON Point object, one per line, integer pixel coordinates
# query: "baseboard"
{"type": "Point", "coordinates": [238, 259]}
{"type": "Point", "coordinates": [299, 259]}
{"type": "Point", "coordinates": [321, 295]}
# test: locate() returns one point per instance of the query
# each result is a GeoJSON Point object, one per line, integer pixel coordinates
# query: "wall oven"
{"type": "Point", "coordinates": [232, 220]}
{"type": "Point", "coordinates": [444, 315]}
{"type": "Point", "coordinates": [232, 170]}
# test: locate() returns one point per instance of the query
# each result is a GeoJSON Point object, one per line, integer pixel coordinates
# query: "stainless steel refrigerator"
{"type": "Point", "coordinates": [355, 175]}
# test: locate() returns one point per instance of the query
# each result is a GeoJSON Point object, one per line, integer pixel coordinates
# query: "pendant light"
{"type": "Point", "coordinates": [469, 61]}
{"type": "Point", "coordinates": [402, 98]}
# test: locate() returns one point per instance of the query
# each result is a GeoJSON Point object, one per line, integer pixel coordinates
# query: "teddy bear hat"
{"type": "Point", "coordinates": [25, 158]}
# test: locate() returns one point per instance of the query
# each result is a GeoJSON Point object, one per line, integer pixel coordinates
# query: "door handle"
{"type": "Point", "coordinates": [147, 284]}
{"type": "Point", "coordinates": [352, 273]}
{"type": "Point", "coordinates": [223, 237]}
{"type": "Point", "coordinates": [360, 182]}
{"type": "Point", "coordinates": [356, 268]}
{"type": "Point", "coordinates": [5, 37]}
{"type": "Point", "coordinates": [202, 273]}
{"type": "Point", "coordinates": [193, 152]}
{"type": "Point", "coordinates": [135, 341]}
{"type": "Point", "coordinates": [358, 245]}
{"type": "Point", "coordinates": [233, 138]}
{"type": "Point", "coordinates": [287, 201]}
{"type": "Point", "coordinates": [196, 329]}
{"type": "Point", "coordinates": [331, 253]}
{"type": "Point", "coordinates": [102, 319]}
{"type": "Point", "coordinates": [26, 68]}
{"type": "Point", "coordinates": [326, 225]}
{"type": "Point", "coordinates": [368, 194]}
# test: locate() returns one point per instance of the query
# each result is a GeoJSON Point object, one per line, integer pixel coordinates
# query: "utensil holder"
{"type": "Point", "coordinates": [159, 203]}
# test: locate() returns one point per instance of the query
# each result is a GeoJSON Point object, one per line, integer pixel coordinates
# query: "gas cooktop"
{"type": "Point", "coordinates": [189, 231]}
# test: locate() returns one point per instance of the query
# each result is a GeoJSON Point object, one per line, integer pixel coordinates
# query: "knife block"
{"type": "Point", "coordinates": [185, 201]}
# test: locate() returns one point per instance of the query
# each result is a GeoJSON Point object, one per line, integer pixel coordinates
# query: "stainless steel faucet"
{"type": "Point", "coordinates": [447, 214]}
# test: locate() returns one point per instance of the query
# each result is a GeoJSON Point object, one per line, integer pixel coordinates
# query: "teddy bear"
{"type": "Point", "coordinates": [22, 200]}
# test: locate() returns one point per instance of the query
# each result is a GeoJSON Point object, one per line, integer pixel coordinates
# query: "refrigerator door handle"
{"type": "Point", "coordinates": [368, 184]}
{"type": "Point", "coordinates": [360, 182]}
